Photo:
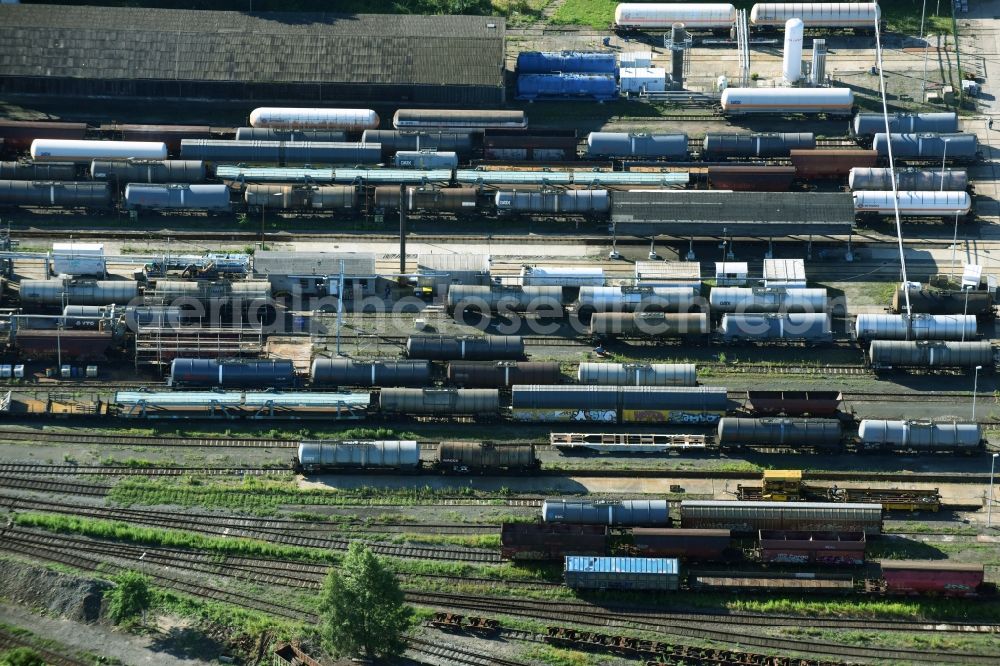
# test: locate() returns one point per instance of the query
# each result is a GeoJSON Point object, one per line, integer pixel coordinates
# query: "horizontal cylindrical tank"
{"type": "Point", "coordinates": [220, 291]}
{"type": "Point", "coordinates": [893, 353]}
{"type": "Point", "coordinates": [662, 15]}
{"type": "Point", "coordinates": [636, 299]}
{"type": "Point", "coordinates": [596, 512]}
{"type": "Point", "coordinates": [457, 119]}
{"type": "Point", "coordinates": [503, 298]}
{"type": "Point", "coordinates": [350, 372]}
{"type": "Point", "coordinates": [393, 141]}
{"type": "Point", "coordinates": [623, 144]}
{"type": "Point", "coordinates": [242, 374]}
{"type": "Point", "coordinates": [70, 195]}
{"type": "Point", "coordinates": [566, 201]}
{"type": "Point", "coordinates": [813, 327]}
{"type": "Point", "coordinates": [305, 118]}
{"type": "Point", "coordinates": [913, 204]}
{"type": "Point", "coordinates": [425, 159]}
{"type": "Point", "coordinates": [497, 374]}
{"type": "Point", "coordinates": [485, 456]}
{"type": "Point", "coordinates": [443, 199]}
{"type": "Point", "coordinates": [592, 86]}
{"type": "Point", "coordinates": [272, 134]}
{"type": "Point", "coordinates": [757, 145]}
{"type": "Point", "coordinates": [156, 316]}
{"type": "Point", "coordinates": [62, 150]}
{"type": "Point", "coordinates": [480, 348]}
{"type": "Point", "coordinates": [440, 402]}
{"type": "Point", "coordinates": [281, 152]}
{"type": "Point", "coordinates": [935, 147]}
{"type": "Point", "coordinates": [638, 374]}
{"type": "Point", "coordinates": [876, 434]}
{"type": "Point", "coordinates": [37, 171]}
{"type": "Point", "coordinates": [912, 180]}
{"type": "Point", "coordinates": [944, 302]}
{"type": "Point", "coordinates": [149, 171]}
{"type": "Point", "coordinates": [319, 455]}
{"type": "Point", "coordinates": [171, 196]}
{"type": "Point", "coordinates": [917, 327]}
{"type": "Point", "coordinates": [816, 14]}
{"type": "Point", "coordinates": [291, 197]}
{"type": "Point", "coordinates": [653, 324]}
{"type": "Point", "coordinates": [778, 299]}
{"type": "Point", "coordinates": [869, 124]}
{"type": "Point", "coordinates": [543, 62]}
{"type": "Point", "coordinates": [831, 101]}
{"type": "Point", "coordinates": [77, 292]}
{"type": "Point", "coordinates": [796, 433]}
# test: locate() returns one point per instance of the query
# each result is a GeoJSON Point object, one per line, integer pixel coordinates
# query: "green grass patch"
{"type": "Point", "coordinates": [553, 656]}
{"type": "Point", "coordinates": [593, 13]}
{"type": "Point", "coordinates": [238, 620]}
{"type": "Point", "coordinates": [897, 639]}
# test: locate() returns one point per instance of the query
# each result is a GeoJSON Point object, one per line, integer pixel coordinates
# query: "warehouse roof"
{"type": "Point", "coordinates": [274, 262]}
{"type": "Point", "coordinates": [691, 213]}
{"type": "Point", "coordinates": [136, 43]}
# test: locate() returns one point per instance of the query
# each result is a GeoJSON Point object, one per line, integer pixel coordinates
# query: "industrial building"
{"type": "Point", "coordinates": [265, 57]}
{"type": "Point", "coordinates": [317, 273]}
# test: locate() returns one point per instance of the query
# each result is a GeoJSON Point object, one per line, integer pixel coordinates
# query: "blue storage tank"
{"type": "Point", "coordinates": [245, 374]}
{"type": "Point", "coordinates": [546, 62]}
{"type": "Point", "coordinates": [595, 86]}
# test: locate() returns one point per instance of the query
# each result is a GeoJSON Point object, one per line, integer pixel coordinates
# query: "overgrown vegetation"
{"type": "Point", "coordinates": [21, 656]}
{"type": "Point", "coordinates": [129, 598]}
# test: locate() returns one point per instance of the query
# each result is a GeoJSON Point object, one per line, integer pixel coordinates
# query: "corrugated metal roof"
{"type": "Point", "coordinates": [272, 262]}
{"type": "Point", "coordinates": [796, 506]}
{"type": "Point", "coordinates": [230, 398]}
{"type": "Point", "coordinates": [663, 566]}
{"type": "Point", "coordinates": [273, 47]}
{"type": "Point", "coordinates": [454, 261]}
{"type": "Point", "coordinates": [674, 270]}
{"type": "Point", "coordinates": [785, 269]}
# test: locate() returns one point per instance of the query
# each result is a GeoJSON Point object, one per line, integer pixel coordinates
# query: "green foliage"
{"type": "Point", "coordinates": [362, 609]}
{"type": "Point", "coordinates": [130, 597]}
{"type": "Point", "coordinates": [21, 656]}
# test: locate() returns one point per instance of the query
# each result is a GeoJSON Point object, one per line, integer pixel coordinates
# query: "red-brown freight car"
{"type": "Point", "coordinates": [18, 134]}
{"type": "Point", "coordinates": [794, 403]}
{"type": "Point", "coordinates": [830, 548]}
{"type": "Point", "coordinates": [550, 541]}
{"type": "Point", "coordinates": [925, 577]}
{"type": "Point", "coordinates": [819, 164]}
{"type": "Point", "coordinates": [694, 545]}
{"type": "Point", "coordinates": [70, 344]}
{"type": "Point", "coordinates": [168, 134]}
{"type": "Point", "coordinates": [751, 178]}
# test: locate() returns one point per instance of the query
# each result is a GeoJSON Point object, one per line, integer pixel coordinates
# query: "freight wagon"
{"type": "Point", "coordinates": [376, 372]}
{"type": "Point", "coordinates": [458, 119]}
{"type": "Point", "coordinates": [763, 299]}
{"type": "Point", "coordinates": [810, 328]}
{"type": "Point", "coordinates": [231, 374]}
{"type": "Point", "coordinates": [35, 171]}
{"type": "Point", "coordinates": [648, 325]}
{"type": "Point", "coordinates": [481, 403]}
{"type": "Point", "coordinates": [486, 299]}
{"type": "Point", "coordinates": [479, 348]}
{"type": "Point", "coordinates": [915, 327]}
{"type": "Point", "coordinates": [949, 579]}
{"type": "Point", "coordinates": [751, 178]}
{"type": "Point", "coordinates": [689, 545]}
{"type": "Point", "coordinates": [857, 15]}
{"type": "Point", "coordinates": [794, 403]}
{"type": "Point", "coordinates": [309, 118]}
{"type": "Point", "coordinates": [17, 135]}
{"type": "Point", "coordinates": [696, 16]}
{"type": "Point", "coordinates": [546, 62]}
{"type": "Point", "coordinates": [870, 124]}
{"type": "Point", "coordinates": [623, 144]}
{"type": "Point", "coordinates": [93, 196]}
{"type": "Point", "coordinates": [653, 513]}
{"type": "Point", "coordinates": [486, 458]}
{"type": "Point", "coordinates": [920, 436]}
{"type": "Point", "coordinates": [888, 354]}
{"type": "Point", "coordinates": [551, 541]}
{"type": "Point", "coordinates": [959, 148]}
{"type": "Point", "coordinates": [913, 180]}
{"type": "Point", "coordinates": [716, 146]}
{"type": "Point", "coordinates": [618, 404]}
{"type": "Point", "coordinates": [823, 164]}
{"type": "Point", "coordinates": [502, 374]}
{"type": "Point", "coordinates": [942, 205]}
{"type": "Point", "coordinates": [622, 573]}
{"type": "Point", "coordinates": [635, 299]}
{"type": "Point", "coordinates": [786, 101]}
{"type": "Point", "coordinates": [324, 456]}
{"type": "Point", "coordinates": [816, 434]}
{"type": "Point", "coordinates": [801, 547]}
{"type": "Point", "coordinates": [945, 302]}
{"type": "Point", "coordinates": [751, 517]}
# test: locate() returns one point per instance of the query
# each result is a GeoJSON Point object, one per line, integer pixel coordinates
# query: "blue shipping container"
{"type": "Point", "coordinates": [623, 573]}
{"type": "Point", "coordinates": [594, 86]}
{"type": "Point", "coordinates": [546, 62]}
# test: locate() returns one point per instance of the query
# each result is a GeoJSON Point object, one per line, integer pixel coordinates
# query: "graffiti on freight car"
{"type": "Point", "coordinates": [668, 416]}
{"type": "Point", "coordinates": [599, 415]}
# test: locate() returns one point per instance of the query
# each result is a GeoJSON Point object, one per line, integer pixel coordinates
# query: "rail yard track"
{"type": "Point", "coordinates": [10, 641]}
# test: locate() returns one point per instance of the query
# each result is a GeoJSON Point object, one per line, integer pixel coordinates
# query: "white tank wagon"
{"type": "Point", "coordinates": [859, 15]}
{"type": "Point", "coordinates": [919, 436]}
{"type": "Point", "coordinates": [662, 15]}
{"type": "Point", "coordinates": [909, 180]}
{"type": "Point", "coordinates": [889, 354]}
{"type": "Point", "coordinates": [635, 299]}
{"type": "Point", "coordinates": [66, 150]}
{"type": "Point", "coordinates": [916, 327]}
{"type": "Point", "coordinates": [317, 456]}
{"type": "Point", "coordinates": [58, 293]}
{"type": "Point", "coordinates": [831, 101]}
{"type": "Point", "coordinates": [459, 119]}
{"type": "Point", "coordinates": [610, 512]}
{"type": "Point", "coordinates": [913, 204]}
{"type": "Point", "coordinates": [807, 327]}
{"type": "Point", "coordinates": [503, 298]}
{"type": "Point", "coordinates": [762, 299]}
{"type": "Point", "coordinates": [638, 374]}
{"type": "Point", "coordinates": [870, 124]}
{"type": "Point", "coordinates": [305, 118]}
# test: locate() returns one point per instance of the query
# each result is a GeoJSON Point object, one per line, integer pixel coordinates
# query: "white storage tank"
{"type": "Point", "coordinates": [917, 327]}
{"type": "Point", "coordinates": [642, 79]}
{"type": "Point", "coordinates": [67, 150]}
{"type": "Point", "coordinates": [662, 15]}
{"type": "Point", "coordinates": [792, 60]}
{"type": "Point", "coordinates": [78, 259]}
{"type": "Point", "coordinates": [638, 374]}
{"type": "Point", "coordinates": [913, 204]}
{"type": "Point", "coordinates": [307, 118]}
{"type": "Point", "coordinates": [630, 299]}
{"type": "Point", "coordinates": [831, 101]}
{"type": "Point", "coordinates": [816, 14]}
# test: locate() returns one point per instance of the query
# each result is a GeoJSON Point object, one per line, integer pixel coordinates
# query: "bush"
{"type": "Point", "coordinates": [130, 597]}
{"type": "Point", "coordinates": [21, 656]}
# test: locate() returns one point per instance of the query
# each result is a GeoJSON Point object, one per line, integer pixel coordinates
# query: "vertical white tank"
{"type": "Point", "coordinates": [792, 64]}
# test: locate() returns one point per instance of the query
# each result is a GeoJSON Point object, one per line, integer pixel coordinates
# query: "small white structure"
{"type": "Point", "coordinates": [629, 59]}
{"type": "Point", "coordinates": [562, 276]}
{"type": "Point", "coordinates": [78, 259]}
{"type": "Point", "coordinates": [642, 79]}
{"type": "Point", "coordinates": [731, 273]}
{"type": "Point", "coordinates": [972, 275]}
{"type": "Point", "coordinates": [792, 62]}
{"type": "Point", "coordinates": [668, 274]}
{"type": "Point", "coordinates": [784, 273]}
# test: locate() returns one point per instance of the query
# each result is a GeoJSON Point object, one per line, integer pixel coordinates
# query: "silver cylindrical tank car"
{"type": "Point", "coordinates": [649, 324]}
{"type": "Point", "coordinates": [919, 327]}
{"type": "Point", "coordinates": [875, 434]}
{"type": "Point", "coordinates": [564, 201]}
{"type": "Point", "coordinates": [350, 372]}
{"type": "Point", "coordinates": [245, 374]}
{"type": "Point", "coordinates": [810, 327]}
{"type": "Point", "coordinates": [596, 512]}
{"type": "Point", "coordinates": [484, 403]}
{"type": "Point", "coordinates": [77, 292]}
{"type": "Point", "coordinates": [632, 299]}
{"type": "Point", "coordinates": [61, 171]}
{"type": "Point", "coordinates": [309, 118]}
{"type": "Point", "coordinates": [780, 432]}
{"type": "Point", "coordinates": [908, 180]}
{"type": "Point", "coordinates": [393, 141]}
{"type": "Point", "coordinates": [831, 101]}
{"type": "Point", "coordinates": [503, 298]}
{"type": "Point", "coordinates": [149, 171]}
{"type": "Point", "coordinates": [273, 134]}
{"type": "Point", "coordinates": [756, 145]}
{"type": "Point", "coordinates": [623, 144]}
{"type": "Point", "coordinates": [912, 204]}
{"type": "Point", "coordinates": [979, 303]}
{"type": "Point", "coordinates": [71, 150]}
{"type": "Point", "coordinates": [459, 119]}
{"type": "Point", "coordinates": [68, 195]}
{"type": "Point", "coordinates": [469, 348]}
{"type": "Point", "coordinates": [775, 299]}
{"type": "Point", "coordinates": [951, 147]}
{"type": "Point", "coordinates": [305, 197]}
{"type": "Point", "coordinates": [319, 455]}
{"type": "Point", "coordinates": [660, 15]}
{"type": "Point", "coordinates": [638, 374]}
{"type": "Point", "coordinates": [159, 196]}
{"type": "Point", "coordinates": [931, 354]}
{"type": "Point", "coordinates": [861, 15]}
{"type": "Point", "coordinates": [425, 159]}
{"type": "Point", "coordinates": [869, 124]}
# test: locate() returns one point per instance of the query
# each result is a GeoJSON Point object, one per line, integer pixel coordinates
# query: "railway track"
{"type": "Point", "coordinates": [9, 641]}
{"type": "Point", "coordinates": [124, 470]}
{"type": "Point", "coordinates": [454, 655]}
{"type": "Point", "coordinates": [110, 439]}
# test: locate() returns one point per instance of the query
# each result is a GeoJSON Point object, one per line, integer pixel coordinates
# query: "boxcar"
{"type": "Point", "coordinates": [831, 548]}
{"type": "Point", "coordinates": [550, 541]}
{"type": "Point", "coordinates": [932, 577]}
{"type": "Point", "coordinates": [622, 573]}
{"type": "Point", "coordinates": [697, 545]}
{"type": "Point", "coordinates": [819, 164]}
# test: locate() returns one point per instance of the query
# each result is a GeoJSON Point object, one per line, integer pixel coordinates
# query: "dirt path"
{"type": "Point", "coordinates": [95, 639]}
{"type": "Point", "coordinates": [550, 10]}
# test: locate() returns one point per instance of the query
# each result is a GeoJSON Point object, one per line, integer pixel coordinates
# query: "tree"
{"type": "Point", "coordinates": [21, 656]}
{"type": "Point", "coordinates": [362, 609]}
{"type": "Point", "coordinates": [130, 596]}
